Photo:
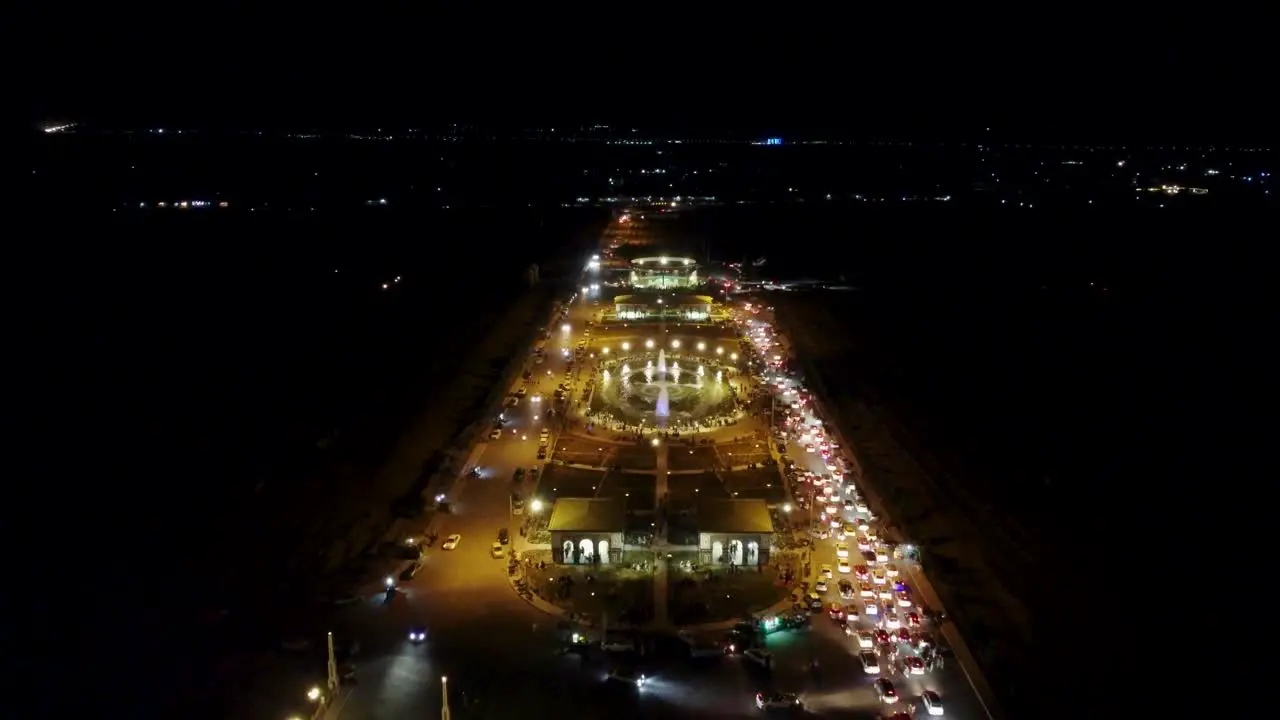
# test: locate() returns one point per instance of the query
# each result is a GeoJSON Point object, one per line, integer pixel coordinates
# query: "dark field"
{"type": "Point", "coordinates": [996, 392]}
{"type": "Point", "coordinates": [235, 381]}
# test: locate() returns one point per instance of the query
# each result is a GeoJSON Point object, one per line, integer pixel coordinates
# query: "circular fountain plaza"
{"type": "Point", "coordinates": [671, 392]}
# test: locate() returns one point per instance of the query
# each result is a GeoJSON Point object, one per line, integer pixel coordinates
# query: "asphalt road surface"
{"type": "Point", "coordinates": [505, 658]}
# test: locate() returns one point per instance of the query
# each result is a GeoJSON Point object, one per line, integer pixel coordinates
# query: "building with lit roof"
{"type": "Point", "coordinates": [664, 273]}
{"type": "Point", "coordinates": [663, 306]}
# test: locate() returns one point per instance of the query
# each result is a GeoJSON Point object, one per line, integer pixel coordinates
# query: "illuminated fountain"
{"type": "Point", "coordinates": [662, 408]}
{"type": "Point", "coordinates": [660, 391]}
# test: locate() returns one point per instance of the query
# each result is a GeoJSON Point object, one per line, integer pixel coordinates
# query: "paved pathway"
{"type": "Point", "coordinates": [661, 617]}
{"type": "Point", "coordinates": [660, 473]}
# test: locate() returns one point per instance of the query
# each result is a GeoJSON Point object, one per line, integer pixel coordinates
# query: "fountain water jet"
{"type": "Point", "coordinates": [662, 362]}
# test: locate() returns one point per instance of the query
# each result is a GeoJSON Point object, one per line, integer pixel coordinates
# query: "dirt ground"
{"type": "Point", "coordinates": [692, 458]}
{"type": "Point", "coordinates": [559, 481]}
{"type": "Point", "coordinates": [577, 451]}
{"type": "Point", "coordinates": [742, 453]}
{"type": "Point", "coordinates": [636, 488]}
{"type": "Point", "coordinates": [635, 457]}
{"type": "Point", "coordinates": [763, 484]}
{"type": "Point", "coordinates": [687, 490]}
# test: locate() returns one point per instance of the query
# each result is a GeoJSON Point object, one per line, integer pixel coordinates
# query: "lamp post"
{"type": "Point", "coordinates": [444, 697]}
{"type": "Point", "coordinates": [332, 667]}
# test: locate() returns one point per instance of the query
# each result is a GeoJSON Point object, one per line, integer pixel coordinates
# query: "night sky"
{"type": "Point", "coordinates": [766, 69]}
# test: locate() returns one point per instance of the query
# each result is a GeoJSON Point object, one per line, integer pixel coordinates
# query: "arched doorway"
{"type": "Point", "coordinates": [735, 552]}
{"type": "Point", "coordinates": [753, 553]}
{"type": "Point", "coordinates": [586, 549]}
{"type": "Point", "coordinates": [717, 552]}
{"type": "Point", "coordinates": [602, 547]}
{"type": "Point", "coordinates": [567, 551]}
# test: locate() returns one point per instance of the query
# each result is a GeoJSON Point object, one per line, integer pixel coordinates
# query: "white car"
{"type": "Point", "coordinates": [451, 542]}
{"type": "Point", "coordinates": [544, 434]}
{"type": "Point", "coordinates": [870, 606]}
{"type": "Point", "coordinates": [883, 554]}
{"type": "Point", "coordinates": [842, 565]}
{"type": "Point", "coordinates": [763, 658]}
{"type": "Point", "coordinates": [820, 586]}
{"type": "Point", "coordinates": [865, 590]}
{"type": "Point", "coordinates": [861, 506]}
{"type": "Point", "coordinates": [889, 618]}
{"type": "Point", "coordinates": [891, 570]}
{"type": "Point", "coordinates": [842, 551]}
{"type": "Point", "coordinates": [825, 571]}
{"type": "Point", "coordinates": [932, 703]}
{"type": "Point", "coordinates": [870, 663]}
{"type": "Point", "coordinates": [864, 542]}
{"type": "Point", "coordinates": [866, 640]}
{"type": "Point", "coordinates": [884, 592]}
{"type": "Point", "coordinates": [903, 598]}
{"type": "Point", "coordinates": [877, 577]}
{"type": "Point", "coordinates": [497, 551]}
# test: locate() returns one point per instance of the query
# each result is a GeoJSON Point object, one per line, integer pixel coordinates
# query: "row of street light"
{"type": "Point", "coordinates": [675, 345]}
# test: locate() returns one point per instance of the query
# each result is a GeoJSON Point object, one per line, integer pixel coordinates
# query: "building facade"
{"type": "Point", "coordinates": [586, 531]}
{"type": "Point", "coordinates": [734, 532]}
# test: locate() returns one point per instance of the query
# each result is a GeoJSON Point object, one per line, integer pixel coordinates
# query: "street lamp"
{"type": "Point", "coordinates": [626, 346]}
{"type": "Point", "coordinates": [444, 697]}
{"type": "Point", "coordinates": [719, 351]}
{"type": "Point", "coordinates": [648, 344]}
{"type": "Point", "coordinates": [536, 506]}
{"type": "Point", "coordinates": [675, 344]}
{"type": "Point", "coordinates": [313, 694]}
{"type": "Point", "coordinates": [702, 346]}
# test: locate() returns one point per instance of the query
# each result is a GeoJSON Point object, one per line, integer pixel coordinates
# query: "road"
{"type": "Point", "coordinates": [503, 656]}
{"type": "Point", "coordinates": [951, 682]}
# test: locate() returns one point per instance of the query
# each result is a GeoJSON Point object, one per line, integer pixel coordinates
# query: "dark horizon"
{"type": "Point", "coordinates": [1084, 83]}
